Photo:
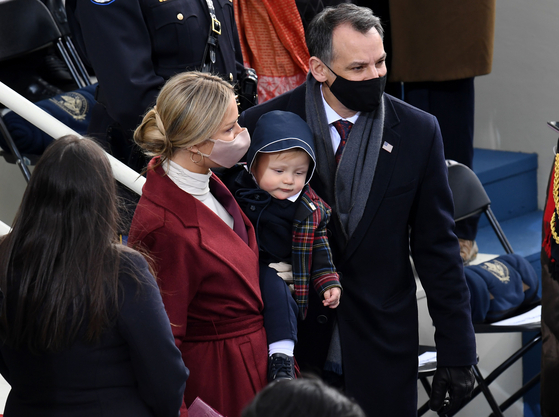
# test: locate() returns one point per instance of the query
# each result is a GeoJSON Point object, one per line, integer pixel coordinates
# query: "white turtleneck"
{"type": "Point", "coordinates": [198, 186]}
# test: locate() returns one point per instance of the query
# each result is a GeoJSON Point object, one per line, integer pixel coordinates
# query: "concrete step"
{"type": "Point", "coordinates": [510, 180]}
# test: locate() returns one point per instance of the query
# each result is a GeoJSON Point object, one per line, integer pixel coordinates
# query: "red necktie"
{"type": "Point", "coordinates": [224, 196]}
{"type": "Point", "coordinates": [343, 127]}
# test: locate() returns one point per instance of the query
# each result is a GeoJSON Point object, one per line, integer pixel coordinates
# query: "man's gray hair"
{"type": "Point", "coordinates": [319, 32]}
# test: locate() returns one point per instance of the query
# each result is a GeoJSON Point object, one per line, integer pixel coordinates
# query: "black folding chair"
{"type": "Point", "coordinates": [29, 25]}
{"type": "Point", "coordinates": [15, 156]}
{"type": "Point", "coordinates": [470, 199]}
{"type": "Point", "coordinates": [65, 44]}
{"type": "Point", "coordinates": [424, 371]}
{"type": "Point", "coordinates": [25, 27]}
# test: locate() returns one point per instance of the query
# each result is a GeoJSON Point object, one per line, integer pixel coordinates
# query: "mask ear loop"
{"type": "Point", "coordinates": [330, 69]}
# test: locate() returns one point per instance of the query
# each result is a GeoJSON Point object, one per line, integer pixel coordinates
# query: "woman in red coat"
{"type": "Point", "coordinates": [204, 248]}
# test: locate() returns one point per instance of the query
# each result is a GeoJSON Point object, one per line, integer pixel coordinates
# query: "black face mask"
{"type": "Point", "coordinates": [358, 95]}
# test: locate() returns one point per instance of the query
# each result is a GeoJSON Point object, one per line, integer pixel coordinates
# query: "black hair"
{"type": "Point", "coordinates": [302, 397]}
{"type": "Point", "coordinates": [321, 28]}
{"type": "Point", "coordinates": [59, 264]}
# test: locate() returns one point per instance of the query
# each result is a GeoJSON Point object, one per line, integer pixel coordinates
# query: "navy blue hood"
{"type": "Point", "coordinates": [280, 131]}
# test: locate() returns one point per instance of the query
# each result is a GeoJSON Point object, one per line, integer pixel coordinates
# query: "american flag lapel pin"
{"type": "Point", "coordinates": [387, 147]}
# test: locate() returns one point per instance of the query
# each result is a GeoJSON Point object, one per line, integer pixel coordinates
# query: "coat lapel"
{"type": "Point", "coordinates": [215, 235]}
{"type": "Point", "coordinates": [304, 209]}
{"type": "Point", "coordinates": [223, 241]}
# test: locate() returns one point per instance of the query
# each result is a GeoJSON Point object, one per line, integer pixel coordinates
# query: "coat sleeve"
{"type": "Point", "coordinates": [177, 275]}
{"type": "Point", "coordinates": [323, 271]}
{"type": "Point", "coordinates": [436, 255]}
{"type": "Point", "coordinates": [118, 46]}
{"type": "Point", "coordinates": [156, 361]}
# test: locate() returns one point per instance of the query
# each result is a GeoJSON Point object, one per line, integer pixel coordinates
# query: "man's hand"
{"type": "Point", "coordinates": [332, 297]}
{"type": "Point", "coordinates": [458, 382]}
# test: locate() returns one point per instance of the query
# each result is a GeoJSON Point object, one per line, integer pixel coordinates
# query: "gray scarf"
{"type": "Point", "coordinates": [348, 185]}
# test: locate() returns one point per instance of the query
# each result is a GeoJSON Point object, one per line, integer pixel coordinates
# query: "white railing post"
{"type": "Point", "coordinates": [4, 228]}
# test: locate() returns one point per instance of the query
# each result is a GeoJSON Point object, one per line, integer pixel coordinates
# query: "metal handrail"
{"type": "Point", "coordinates": [56, 129]}
{"type": "Point", "coordinates": [4, 228]}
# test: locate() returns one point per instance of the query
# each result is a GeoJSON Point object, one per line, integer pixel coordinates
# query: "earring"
{"type": "Point", "coordinates": [199, 160]}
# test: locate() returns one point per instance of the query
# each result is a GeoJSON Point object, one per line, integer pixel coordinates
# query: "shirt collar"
{"type": "Point", "coordinates": [294, 198]}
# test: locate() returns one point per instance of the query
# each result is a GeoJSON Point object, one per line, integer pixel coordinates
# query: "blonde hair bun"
{"type": "Point", "coordinates": [188, 111]}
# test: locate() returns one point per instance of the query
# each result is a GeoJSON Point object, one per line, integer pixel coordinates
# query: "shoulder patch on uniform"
{"type": "Point", "coordinates": [102, 2]}
{"type": "Point", "coordinates": [72, 103]}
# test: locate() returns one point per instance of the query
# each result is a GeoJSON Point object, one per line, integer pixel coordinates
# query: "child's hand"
{"type": "Point", "coordinates": [332, 297]}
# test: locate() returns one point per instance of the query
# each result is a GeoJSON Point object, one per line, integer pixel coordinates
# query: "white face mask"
{"type": "Point", "coordinates": [228, 152]}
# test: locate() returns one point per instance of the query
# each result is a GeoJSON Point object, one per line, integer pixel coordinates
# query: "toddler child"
{"type": "Point", "coordinates": [290, 221]}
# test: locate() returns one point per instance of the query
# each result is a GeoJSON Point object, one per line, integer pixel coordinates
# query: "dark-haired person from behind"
{"type": "Point", "coordinates": [83, 328]}
{"type": "Point", "coordinates": [303, 397]}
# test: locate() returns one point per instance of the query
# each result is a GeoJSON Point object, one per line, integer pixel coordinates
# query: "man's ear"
{"type": "Point", "coordinates": [318, 69]}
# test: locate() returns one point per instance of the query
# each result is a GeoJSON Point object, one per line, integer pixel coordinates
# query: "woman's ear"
{"type": "Point", "coordinates": [201, 147]}
{"type": "Point", "coordinates": [318, 69]}
{"type": "Point", "coordinates": [196, 148]}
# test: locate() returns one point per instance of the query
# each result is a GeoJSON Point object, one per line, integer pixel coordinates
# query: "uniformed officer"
{"type": "Point", "coordinates": [134, 46]}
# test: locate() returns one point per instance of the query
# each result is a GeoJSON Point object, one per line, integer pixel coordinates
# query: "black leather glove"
{"type": "Point", "coordinates": [458, 382]}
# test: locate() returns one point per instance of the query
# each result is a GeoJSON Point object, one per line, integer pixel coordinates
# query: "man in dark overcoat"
{"type": "Point", "coordinates": [381, 167]}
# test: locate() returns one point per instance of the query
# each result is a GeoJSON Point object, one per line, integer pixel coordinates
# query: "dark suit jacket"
{"type": "Point", "coordinates": [409, 206]}
{"type": "Point", "coordinates": [134, 371]}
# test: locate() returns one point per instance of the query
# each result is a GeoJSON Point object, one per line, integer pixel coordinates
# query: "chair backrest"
{"type": "Point", "coordinates": [58, 12]}
{"type": "Point", "coordinates": [467, 191]}
{"type": "Point", "coordinates": [25, 25]}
